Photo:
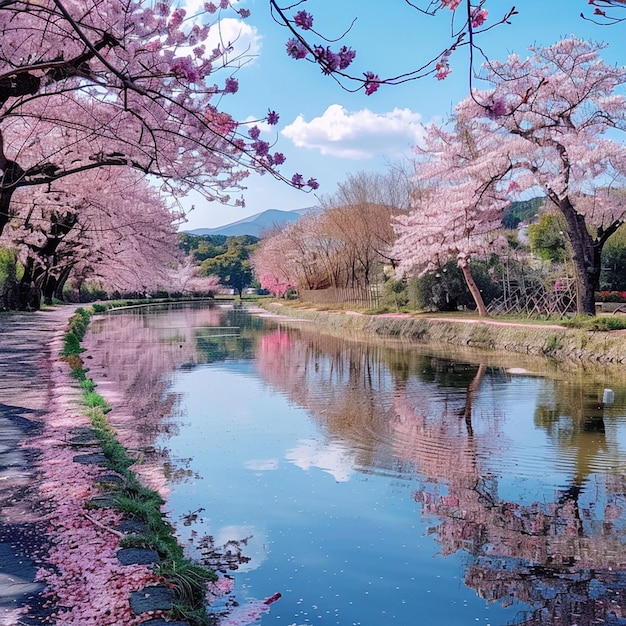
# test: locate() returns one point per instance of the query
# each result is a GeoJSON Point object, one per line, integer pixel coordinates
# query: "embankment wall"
{"type": "Point", "coordinates": [553, 341]}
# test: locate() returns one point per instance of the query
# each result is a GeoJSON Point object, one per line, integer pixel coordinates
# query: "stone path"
{"type": "Point", "coordinates": [24, 391]}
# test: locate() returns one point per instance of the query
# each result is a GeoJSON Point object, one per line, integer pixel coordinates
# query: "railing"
{"type": "Point", "coordinates": [363, 297]}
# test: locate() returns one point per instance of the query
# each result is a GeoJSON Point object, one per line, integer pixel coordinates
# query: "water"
{"type": "Point", "coordinates": [377, 484]}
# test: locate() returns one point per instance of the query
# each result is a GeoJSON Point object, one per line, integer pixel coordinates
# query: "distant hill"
{"type": "Point", "coordinates": [255, 225]}
{"type": "Point", "coordinates": [522, 211]}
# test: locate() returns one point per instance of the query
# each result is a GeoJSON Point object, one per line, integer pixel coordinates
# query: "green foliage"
{"type": "Point", "coordinates": [187, 580]}
{"type": "Point", "coordinates": [232, 266]}
{"type": "Point", "coordinates": [94, 400]}
{"type": "Point", "coordinates": [87, 384]}
{"type": "Point", "coordinates": [395, 295]}
{"type": "Point", "coordinates": [71, 345]}
{"type": "Point", "coordinates": [204, 247]}
{"type": "Point", "coordinates": [547, 238]}
{"type": "Point", "coordinates": [8, 266]}
{"type": "Point", "coordinates": [79, 322]}
{"type": "Point", "coordinates": [598, 323]}
{"type": "Point", "coordinates": [613, 276]}
{"type": "Point", "coordinates": [11, 271]}
{"type": "Point", "coordinates": [524, 210]}
{"type": "Point", "coordinates": [77, 327]}
{"type": "Point", "coordinates": [446, 290]}
{"type": "Point", "coordinates": [553, 344]}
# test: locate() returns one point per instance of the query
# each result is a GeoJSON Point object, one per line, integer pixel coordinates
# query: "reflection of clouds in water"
{"type": "Point", "coordinates": [332, 457]}
{"type": "Point", "coordinates": [255, 548]}
{"type": "Point", "coordinates": [261, 465]}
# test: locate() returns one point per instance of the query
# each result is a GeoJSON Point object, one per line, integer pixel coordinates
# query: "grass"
{"type": "Point", "coordinates": [187, 579]}
{"type": "Point", "coordinates": [602, 323]}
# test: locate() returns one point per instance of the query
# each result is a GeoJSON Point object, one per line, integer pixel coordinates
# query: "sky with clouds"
{"type": "Point", "coordinates": [329, 133]}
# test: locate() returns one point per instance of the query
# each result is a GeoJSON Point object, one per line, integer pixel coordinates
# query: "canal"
{"type": "Point", "coordinates": [374, 483]}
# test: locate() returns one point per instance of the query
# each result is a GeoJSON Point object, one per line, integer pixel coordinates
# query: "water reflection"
{"type": "Point", "coordinates": [516, 476]}
{"type": "Point", "coordinates": [562, 554]}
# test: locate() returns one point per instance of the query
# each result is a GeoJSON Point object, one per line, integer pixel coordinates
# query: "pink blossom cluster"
{"type": "Point", "coordinates": [303, 20]}
{"type": "Point", "coordinates": [146, 85]}
{"type": "Point", "coordinates": [274, 285]}
{"type": "Point", "coordinates": [372, 83]}
{"type": "Point", "coordinates": [478, 17]}
{"type": "Point", "coordinates": [333, 61]}
{"type": "Point", "coordinates": [451, 4]}
{"type": "Point", "coordinates": [297, 180]}
{"type": "Point", "coordinates": [442, 68]}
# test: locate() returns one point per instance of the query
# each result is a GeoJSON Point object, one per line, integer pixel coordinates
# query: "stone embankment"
{"type": "Point", "coordinates": [543, 340]}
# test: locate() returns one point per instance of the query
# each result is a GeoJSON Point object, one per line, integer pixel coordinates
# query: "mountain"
{"type": "Point", "coordinates": [255, 225]}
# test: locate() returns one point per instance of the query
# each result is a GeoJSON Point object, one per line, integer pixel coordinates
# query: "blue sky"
{"type": "Point", "coordinates": [328, 133]}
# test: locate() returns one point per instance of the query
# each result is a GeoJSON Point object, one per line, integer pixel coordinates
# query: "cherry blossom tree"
{"type": "Point", "coordinates": [553, 123]}
{"type": "Point", "coordinates": [187, 278]}
{"type": "Point", "coordinates": [453, 215]}
{"type": "Point", "coordinates": [543, 129]}
{"type": "Point", "coordinates": [88, 84]}
{"type": "Point", "coordinates": [289, 258]}
{"type": "Point", "coordinates": [108, 226]}
{"type": "Point", "coordinates": [269, 267]}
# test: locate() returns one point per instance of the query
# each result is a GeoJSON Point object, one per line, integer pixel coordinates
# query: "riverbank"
{"type": "Point", "coordinates": [62, 556]}
{"type": "Point", "coordinates": [542, 340]}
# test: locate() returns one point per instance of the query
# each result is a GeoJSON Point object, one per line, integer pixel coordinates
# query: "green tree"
{"type": "Point", "coordinates": [202, 247]}
{"type": "Point", "coordinates": [232, 267]}
{"type": "Point", "coordinates": [10, 272]}
{"type": "Point", "coordinates": [613, 276]}
{"type": "Point", "coordinates": [446, 289]}
{"type": "Point", "coordinates": [547, 238]}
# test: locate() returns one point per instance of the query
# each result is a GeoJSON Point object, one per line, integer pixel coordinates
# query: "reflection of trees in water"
{"type": "Point", "coordinates": [564, 557]}
{"type": "Point", "coordinates": [349, 388]}
{"type": "Point", "coordinates": [133, 354]}
{"type": "Point", "coordinates": [234, 338]}
{"type": "Point", "coordinates": [398, 410]}
{"type": "Point", "coordinates": [345, 386]}
{"type": "Point", "coordinates": [575, 418]}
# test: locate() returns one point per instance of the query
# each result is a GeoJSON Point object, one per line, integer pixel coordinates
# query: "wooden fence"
{"type": "Point", "coordinates": [363, 297]}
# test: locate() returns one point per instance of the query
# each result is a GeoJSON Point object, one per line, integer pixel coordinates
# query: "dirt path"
{"type": "Point", "coordinates": [25, 385]}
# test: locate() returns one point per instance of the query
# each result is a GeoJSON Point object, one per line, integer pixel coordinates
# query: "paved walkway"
{"type": "Point", "coordinates": [25, 384]}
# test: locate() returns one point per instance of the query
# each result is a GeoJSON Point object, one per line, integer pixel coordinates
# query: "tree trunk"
{"type": "Point", "coordinates": [587, 254]}
{"type": "Point", "coordinates": [48, 288]}
{"type": "Point", "coordinates": [65, 274]}
{"type": "Point", "coordinates": [27, 295]}
{"type": "Point", "coordinates": [472, 391]}
{"type": "Point", "coordinates": [473, 287]}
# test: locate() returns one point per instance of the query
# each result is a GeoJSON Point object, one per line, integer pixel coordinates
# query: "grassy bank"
{"type": "Point", "coordinates": [547, 340]}
{"type": "Point", "coordinates": [132, 499]}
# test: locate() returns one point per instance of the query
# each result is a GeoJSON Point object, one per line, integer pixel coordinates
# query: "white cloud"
{"type": "Point", "coordinates": [255, 548]}
{"type": "Point", "coordinates": [359, 134]}
{"type": "Point", "coordinates": [332, 457]}
{"type": "Point", "coordinates": [229, 31]}
{"type": "Point", "coordinates": [244, 39]}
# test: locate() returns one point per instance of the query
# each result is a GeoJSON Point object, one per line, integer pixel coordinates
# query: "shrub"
{"type": "Point", "coordinates": [611, 296]}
